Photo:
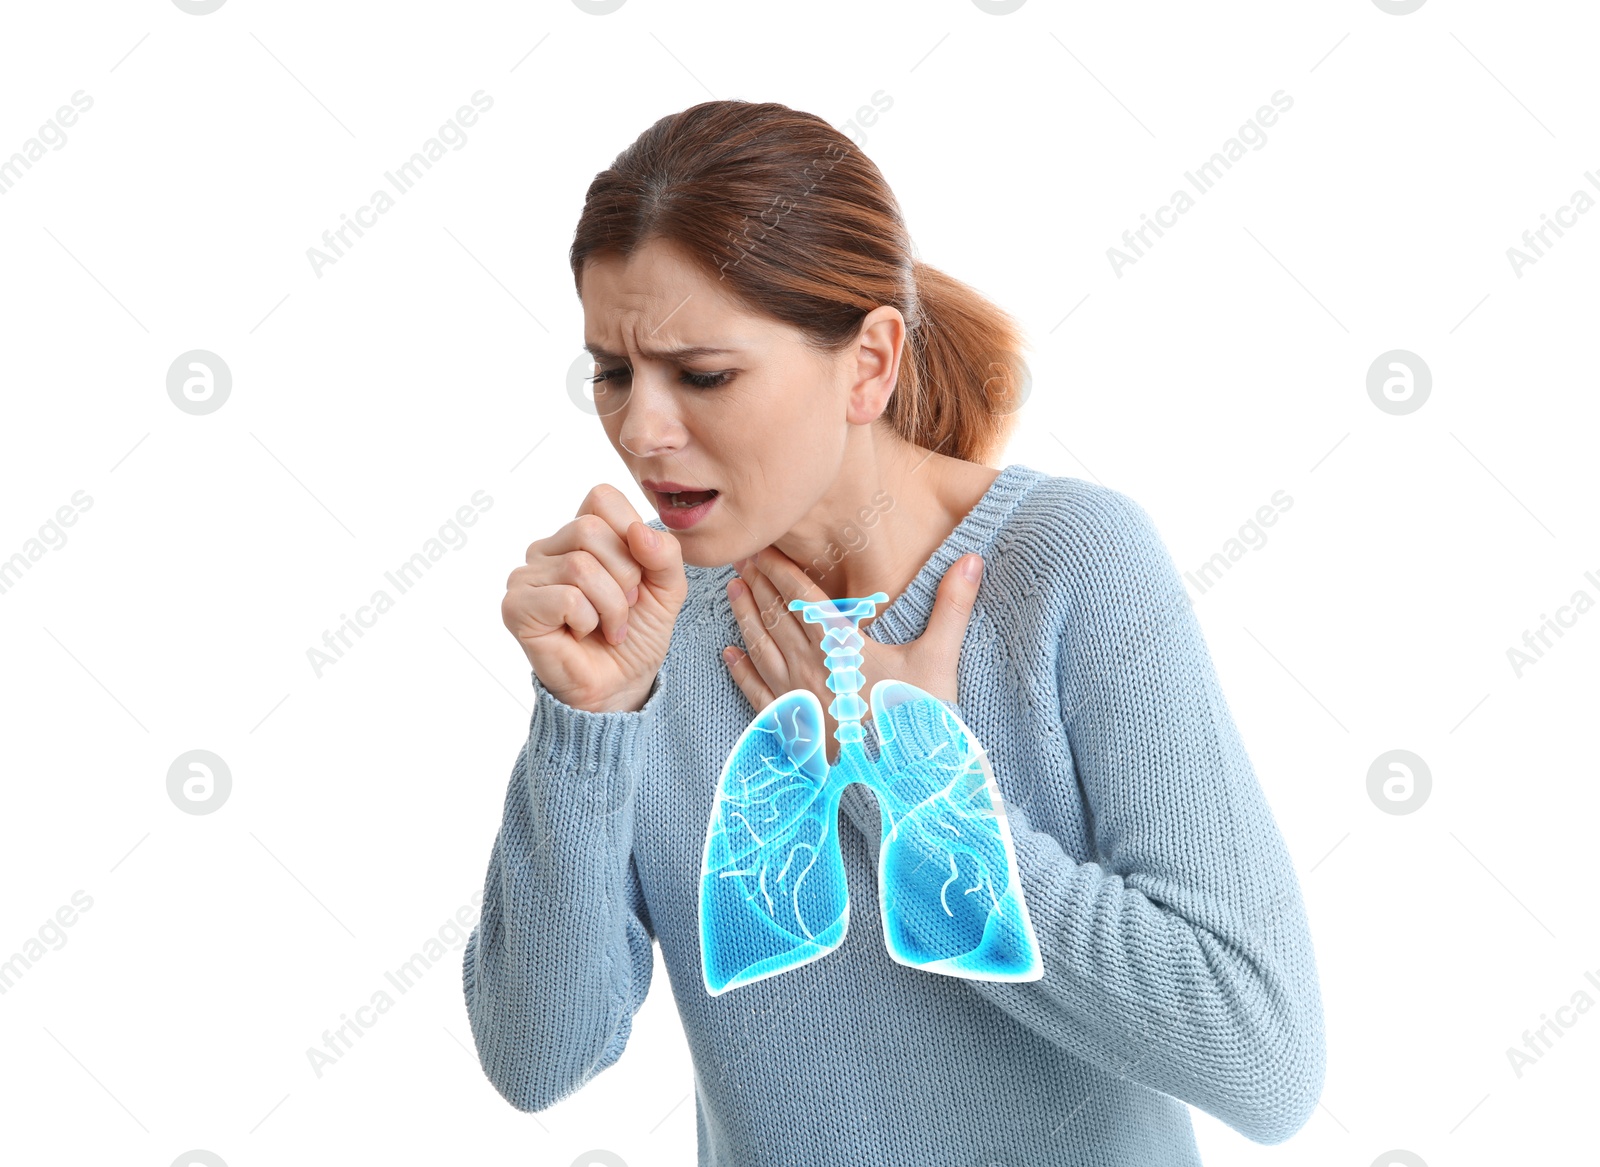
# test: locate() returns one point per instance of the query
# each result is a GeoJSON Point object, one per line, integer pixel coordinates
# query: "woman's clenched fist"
{"type": "Point", "coordinates": [595, 605]}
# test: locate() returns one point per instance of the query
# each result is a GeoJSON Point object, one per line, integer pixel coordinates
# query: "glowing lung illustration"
{"type": "Point", "coordinates": [772, 880]}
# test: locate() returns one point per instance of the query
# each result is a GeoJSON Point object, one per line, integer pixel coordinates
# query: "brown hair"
{"type": "Point", "coordinates": [801, 226]}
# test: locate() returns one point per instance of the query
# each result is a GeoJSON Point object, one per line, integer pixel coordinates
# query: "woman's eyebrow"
{"type": "Point", "coordinates": [687, 352]}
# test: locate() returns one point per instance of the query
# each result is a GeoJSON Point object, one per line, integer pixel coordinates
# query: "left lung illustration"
{"type": "Point", "coordinates": [772, 881]}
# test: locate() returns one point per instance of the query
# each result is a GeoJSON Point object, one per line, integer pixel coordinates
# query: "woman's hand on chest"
{"type": "Point", "coordinates": [783, 652]}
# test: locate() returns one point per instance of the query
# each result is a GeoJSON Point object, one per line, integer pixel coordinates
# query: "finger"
{"type": "Point", "coordinates": [582, 570]}
{"type": "Point", "coordinates": [660, 555]}
{"type": "Point", "coordinates": [561, 605]}
{"type": "Point", "coordinates": [787, 628]}
{"type": "Point", "coordinates": [791, 583]}
{"type": "Point", "coordinates": [608, 527]}
{"type": "Point", "coordinates": [763, 652]}
{"type": "Point", "coordinates": [594, 534]}
{"type": "Point", "coordinates": [764, 596]}
{"type": "Point", "coordinates": [570, 589]}
{"type": "Point", "coordinates": [745, 676]}
{"type": "Point", "coordinates": [611, 505]}
{"type": "Point", "coordinates": [591, 564]}
{"type": "Point", "coordinates": [952, 609]}
{"type": "Point", "coordinates": [784, 629]}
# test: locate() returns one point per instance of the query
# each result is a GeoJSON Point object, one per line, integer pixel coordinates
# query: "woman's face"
{"type": "Point", "coordinates": [755, 415]}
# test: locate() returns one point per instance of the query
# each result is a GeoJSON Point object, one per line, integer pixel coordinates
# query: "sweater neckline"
{"type": "Point", "coordinates": [906, 617]}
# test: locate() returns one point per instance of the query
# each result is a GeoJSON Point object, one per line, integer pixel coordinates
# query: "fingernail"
{"type": "Point", "coordinates": [622, 634]}
{"type": "Point", "coordinates": [730, 655]}
{"type": "Point", "coordinates": [972, 568]}
{"type": "Point", "coordinates": [652, 539]}
{"type": "Point", "coordinates": [736, 588]}
{"type": "Point", "coordinates": [633, 595]}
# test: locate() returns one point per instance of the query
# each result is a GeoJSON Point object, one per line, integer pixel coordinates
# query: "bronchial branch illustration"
{"type": "Point", "coordinates": [772, 880]}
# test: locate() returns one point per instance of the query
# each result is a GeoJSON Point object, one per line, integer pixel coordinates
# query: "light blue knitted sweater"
{"type": "Point", "coordinates": [1178, 963]}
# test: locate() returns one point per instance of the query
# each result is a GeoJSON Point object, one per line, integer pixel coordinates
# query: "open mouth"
{"type": "Point", "coordinates": [684, 499]}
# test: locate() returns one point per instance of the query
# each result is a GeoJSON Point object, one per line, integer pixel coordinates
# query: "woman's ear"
{"type": "Point", "coordinates": [877, 363]}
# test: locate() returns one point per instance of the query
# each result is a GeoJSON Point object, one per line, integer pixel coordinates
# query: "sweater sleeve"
{"type": "Point", "coordinates": [1181, 958]}
{"type": "Point", "coordinates": [561, 958]}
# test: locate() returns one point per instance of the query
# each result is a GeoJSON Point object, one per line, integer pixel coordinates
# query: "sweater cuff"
{"type": "Point", "coordinates": [563, 739]}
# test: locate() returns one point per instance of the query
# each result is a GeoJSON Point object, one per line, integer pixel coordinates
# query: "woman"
{"type": "Point", "coordinates": [809, 409]}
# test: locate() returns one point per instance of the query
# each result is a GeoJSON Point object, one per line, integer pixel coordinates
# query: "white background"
{"type": "Point", "coordinates": [369, 403]}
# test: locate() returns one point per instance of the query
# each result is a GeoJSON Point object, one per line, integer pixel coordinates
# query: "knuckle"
{"type": "Point", "coordinates": [582, 566]}
{"type": "Point", "coordinates": [771, 657]}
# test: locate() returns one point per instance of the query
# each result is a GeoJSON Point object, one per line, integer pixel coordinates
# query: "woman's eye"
{"type": "Point", "coordinates": [706, 380]}
{"type": "Point", "coordinates": [698, 380]}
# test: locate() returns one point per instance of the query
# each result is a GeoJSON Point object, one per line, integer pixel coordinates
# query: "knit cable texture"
{"type": "Point", "coordinates": [1178, 962]}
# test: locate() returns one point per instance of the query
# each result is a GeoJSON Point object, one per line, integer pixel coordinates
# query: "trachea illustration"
{"type": "Point", "coordinates": [772, 879]}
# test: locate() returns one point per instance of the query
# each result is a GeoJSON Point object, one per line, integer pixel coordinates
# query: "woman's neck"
{"type": "Point", "coordinates": [890, 508]}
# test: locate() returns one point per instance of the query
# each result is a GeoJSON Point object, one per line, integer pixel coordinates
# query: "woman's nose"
{"type": "Point", "coordinates": [648, 431]}
{"type": "Point", "coordinates": [649, 425]}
